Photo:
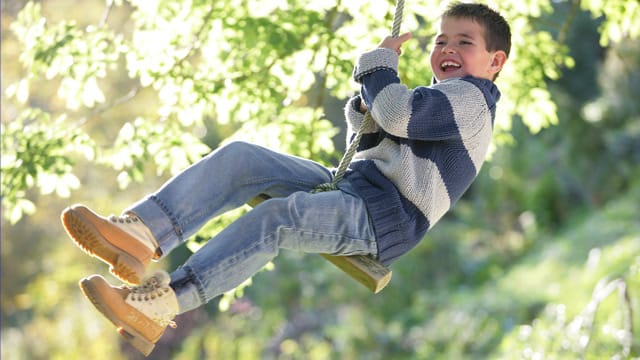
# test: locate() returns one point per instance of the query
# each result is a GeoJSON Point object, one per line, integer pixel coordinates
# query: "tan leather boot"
{"type": "Point", "coordinates": [123, 242]}
{"type": "Point", "coordinates": [141, 313]}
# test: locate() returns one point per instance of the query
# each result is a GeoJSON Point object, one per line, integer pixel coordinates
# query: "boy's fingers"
{"type": "Point", "coordinates": [400, 40]}
{"type": "Point", "coordinates": [403, 37]}
{"type": "Point", "coordinates": [395, 43]}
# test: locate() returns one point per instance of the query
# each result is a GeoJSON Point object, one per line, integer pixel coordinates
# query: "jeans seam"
{"type": "Point", "coordinates": [280, 181]}
{"type": "Point", "coordinates": [174, 223]}
{"type": "Point", "coordinates": [191, 275]}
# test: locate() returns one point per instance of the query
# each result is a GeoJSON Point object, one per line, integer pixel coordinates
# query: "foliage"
{"type": "Point", "coordinates": [602, 327]}
{"type": "Point", "coordinates": [36, 152]}
{"type": "Point", "coordinates": [619, 19]}
{"type": "Point", "coordinates": [249, 67]}
{"type": "Point", "coordinates": [102, 101]}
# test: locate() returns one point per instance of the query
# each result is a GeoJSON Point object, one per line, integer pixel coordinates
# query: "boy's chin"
{"type": "Point", "coordinates": [452, 75]}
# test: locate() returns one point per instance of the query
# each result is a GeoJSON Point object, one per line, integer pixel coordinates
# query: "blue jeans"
{"type": "Point", "coordinates": [334, 222]}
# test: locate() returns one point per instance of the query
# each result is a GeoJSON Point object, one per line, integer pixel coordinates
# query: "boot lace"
{"type": "Point", "coordinates": [152, 289]}
{"type": "Point", "coordinates": [133, 225]}
{"type": "Point", "coordinates": [124, 219]}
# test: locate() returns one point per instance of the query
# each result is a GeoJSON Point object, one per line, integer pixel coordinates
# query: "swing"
{"type": "Point", "coordinates": [364, 269]}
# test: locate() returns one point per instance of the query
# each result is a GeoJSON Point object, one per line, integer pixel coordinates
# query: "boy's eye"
{"type": "Point", "coordinates": [465, 42]}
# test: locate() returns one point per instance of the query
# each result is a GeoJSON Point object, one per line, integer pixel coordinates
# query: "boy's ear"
{"type": "Point", "coordinates": [499, 59]}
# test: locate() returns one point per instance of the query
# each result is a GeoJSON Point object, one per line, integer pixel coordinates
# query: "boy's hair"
{"type": "Point", "coordinates": [497, 31]}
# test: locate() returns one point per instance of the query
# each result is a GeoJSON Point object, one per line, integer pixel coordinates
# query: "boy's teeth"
{"type": "Point", "coordinates": [448, 64]}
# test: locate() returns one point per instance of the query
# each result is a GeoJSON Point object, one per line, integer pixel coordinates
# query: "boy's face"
{"type": "Point", "coordinates": [460, 50]}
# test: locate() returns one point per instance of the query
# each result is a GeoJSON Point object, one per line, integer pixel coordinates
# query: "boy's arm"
{"type": "Point", "coordinates": [445, 111]}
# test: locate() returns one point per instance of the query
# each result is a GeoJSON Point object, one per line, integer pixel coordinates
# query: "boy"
{"type": "Point", "coordinates": [413, 163]}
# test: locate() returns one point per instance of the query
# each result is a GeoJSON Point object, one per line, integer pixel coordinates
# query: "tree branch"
{"type": "Point", "coordinates": [563, 33]}
{"type": "Point", "coordinates": [105, 15]}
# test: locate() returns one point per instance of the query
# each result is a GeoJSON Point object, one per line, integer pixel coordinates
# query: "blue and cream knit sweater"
{"type": "Point", "coordinates": [423, 151]}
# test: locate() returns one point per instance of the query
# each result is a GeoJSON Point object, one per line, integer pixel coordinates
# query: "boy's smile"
{"type": "Point", "coordinates": [460, 49]}
{"type": "Point", "coordinates": [450, 65]}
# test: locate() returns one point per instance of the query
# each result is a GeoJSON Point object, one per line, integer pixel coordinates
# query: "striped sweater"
{"type": "Point", "coordinates": [423, 151]}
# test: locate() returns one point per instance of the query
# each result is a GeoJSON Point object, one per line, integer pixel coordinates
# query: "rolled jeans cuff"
{"type": "Point", "coordinates": [159, 222]}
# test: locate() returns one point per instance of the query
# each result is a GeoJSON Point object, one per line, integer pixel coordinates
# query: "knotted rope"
{"type": "Point", "coordinates": [353, 147]}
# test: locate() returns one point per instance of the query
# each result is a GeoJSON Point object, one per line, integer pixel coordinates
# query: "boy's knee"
{"type": "Point", "coordinates": [237, 146]}
{"type": "Point", "coordinates": [237, 150]}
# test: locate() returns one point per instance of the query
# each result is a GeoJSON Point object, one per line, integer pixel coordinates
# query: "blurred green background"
{"type": "Point", "coordinates": [103, 101]}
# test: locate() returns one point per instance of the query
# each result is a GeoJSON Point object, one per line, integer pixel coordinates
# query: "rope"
{"type": "Point", "coordinates": [353, 147]}
{"type": "Point", "coordinates": [397, 18]}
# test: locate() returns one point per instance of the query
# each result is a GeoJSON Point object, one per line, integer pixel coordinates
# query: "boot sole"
{"type": "Point", "coordinates": [85, 235]}
{"type": "Point", "coordinates": [128, 333]}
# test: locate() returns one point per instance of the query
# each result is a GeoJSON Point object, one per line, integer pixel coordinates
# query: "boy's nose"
{"type": "Point", "coordinates": [447, 49]}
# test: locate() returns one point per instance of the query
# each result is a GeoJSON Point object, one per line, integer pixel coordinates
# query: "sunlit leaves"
{"type": "Point", "coordinates": [79, 57]}
{"type": "Point", "coordinates": [620, 18]}
{"type": "Point", "coordinates": [37, 153]}
{"type": "Point", "coordinates": [302, 131]}
{"type": "Point", "coordinates": [529, 8]}
{"type": "Point", "coordinates": [535, 59]}
{"type": "Point", "coordinates": [19, 91]}
{"type": "Point", "coordinates": [164, 144]}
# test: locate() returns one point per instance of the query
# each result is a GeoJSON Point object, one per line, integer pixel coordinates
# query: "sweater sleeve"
{"type": "Point", "coordinates": [355, 118]}
{"type": "Point", "coordinates": [446, 110]}
{"type": "Point", "coordinates": [370, 134]}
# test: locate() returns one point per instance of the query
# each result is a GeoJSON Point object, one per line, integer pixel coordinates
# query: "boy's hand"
{"type": "Point", "coordinates": [363, 107]}
{"type": "Point", "coordinates": [395, 43]}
